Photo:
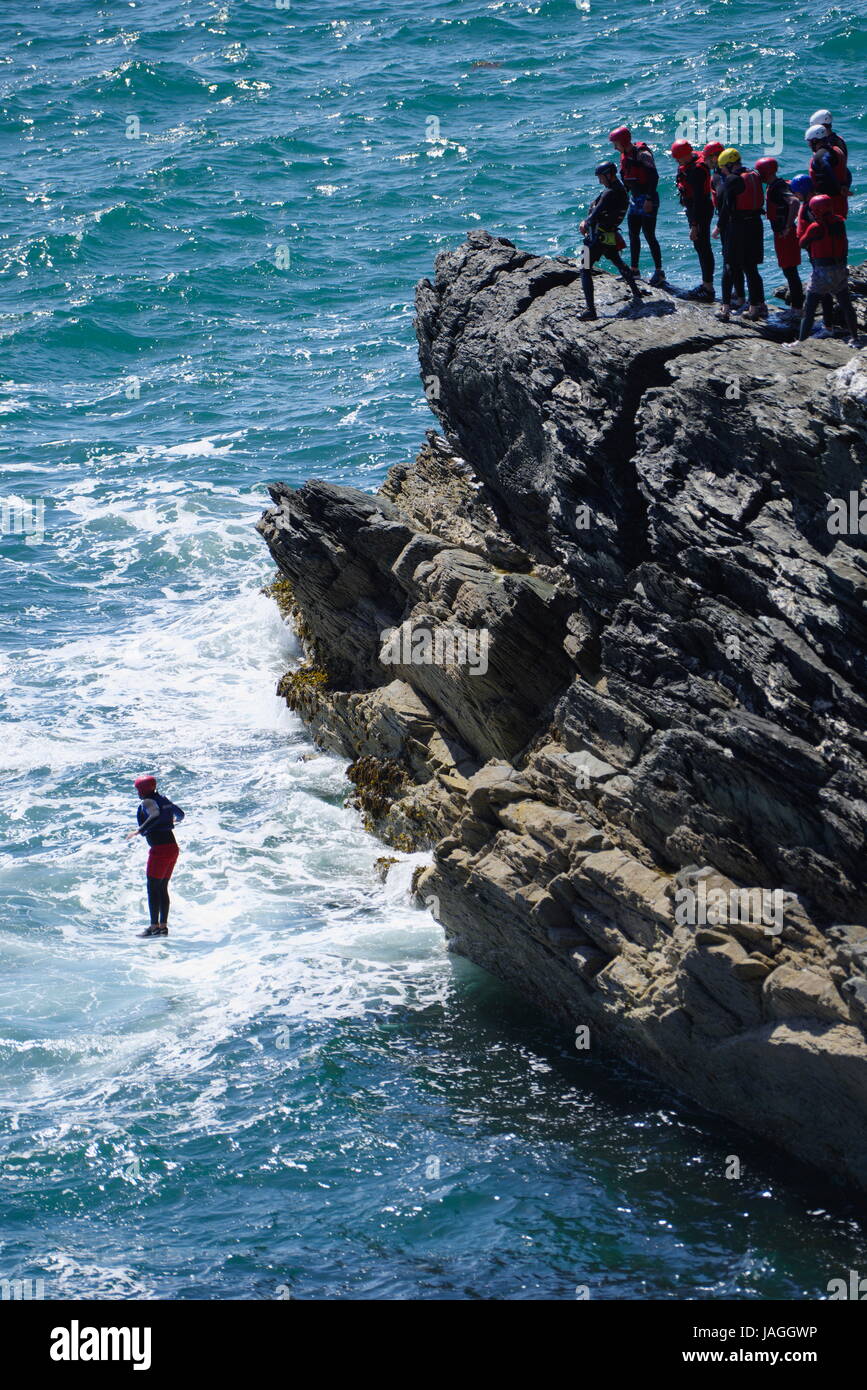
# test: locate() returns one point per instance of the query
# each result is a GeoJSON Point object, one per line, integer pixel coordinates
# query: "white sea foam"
{"type": "Point", "coordinates": [277, 913]}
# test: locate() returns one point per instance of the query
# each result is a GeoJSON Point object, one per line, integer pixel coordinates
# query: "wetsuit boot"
{"type": "Point", "coordinates": [589, 296]}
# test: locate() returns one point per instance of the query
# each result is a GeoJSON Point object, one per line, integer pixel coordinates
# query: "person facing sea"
{"type": "Point", "coordinates": [640, 178]}
{"type": "Point", "coordinates": [156, 817]}
{"type": "Point", "coordinates": [601, 237]}
{"type": "Point", "coordinates": [826, 243]}
{"type": "Point", "coordinates": [781, 209]}
{"type": "Point", "coordinates": [693, 183]}
{"type": "Point", "coordinates": [740, 204]}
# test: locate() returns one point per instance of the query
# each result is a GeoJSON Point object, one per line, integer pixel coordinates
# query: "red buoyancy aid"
{"type": "Point", "coordinates": [827, 241]}
{"type": "Point", "coordinates": [683, 185]}
{"type": "Point", "coordinates": [632, 169]}
{"type": "Point", "coordinates": [752, 196]}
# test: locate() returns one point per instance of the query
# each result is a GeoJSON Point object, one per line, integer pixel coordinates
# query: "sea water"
{"type": "Point", "coordinates": [212, 219]}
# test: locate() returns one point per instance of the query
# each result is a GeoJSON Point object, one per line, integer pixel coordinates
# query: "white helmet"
{"type": "Point", "coordinates": [815, 132]}
{"type": "Point", "coordinates": [821, 118]}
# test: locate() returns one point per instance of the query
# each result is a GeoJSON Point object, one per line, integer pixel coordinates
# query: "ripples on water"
{"type": "Point", "coordinates": [300, 1090]}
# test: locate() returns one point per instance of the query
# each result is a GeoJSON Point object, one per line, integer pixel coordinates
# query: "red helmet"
{"type": "Point", "coordinates": [681, 149]}
{"type": "Point", "coordinates": [715, 147]}
{"type": "Point", "coordinates": [766, 168]}
{"type": "Point", "coordinates": [621, 133]}
{"type": "Point", "coordinates": [821, 206]}
{"type": "Point", "coordinates": [147, 785]}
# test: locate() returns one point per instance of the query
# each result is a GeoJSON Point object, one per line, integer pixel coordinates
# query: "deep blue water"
{"type": "Point", "coordinates": [300, 1090]}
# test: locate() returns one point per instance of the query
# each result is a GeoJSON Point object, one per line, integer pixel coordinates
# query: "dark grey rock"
{"type": "Point", "coordinates": [635, 511]}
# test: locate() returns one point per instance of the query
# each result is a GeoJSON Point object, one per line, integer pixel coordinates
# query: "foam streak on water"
{"type": "Point", "coordinates": [213, 217]}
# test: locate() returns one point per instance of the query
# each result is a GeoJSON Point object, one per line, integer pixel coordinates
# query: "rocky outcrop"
{"type": "Point", "coordinates": [601, 648]}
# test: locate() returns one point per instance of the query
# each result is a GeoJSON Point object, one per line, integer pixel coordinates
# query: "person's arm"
{"type": "Point", "coordinates": [646, 158]}
{"type": "Point", "coordinates": [595, 209]}
{"type": "Point", "coordinates": [793, 207]}
{"type": "Point", "coordinates": [810, 232]}
{"type": "Point", "coordinates": [696, 205]}
{"type": "Point", "coordinates": [153, 814]}
{"type": "Point", "coordinates": [731, 186]}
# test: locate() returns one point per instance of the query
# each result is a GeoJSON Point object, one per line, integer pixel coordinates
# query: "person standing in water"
{"type": "Point", "coordinates": [156, 817]}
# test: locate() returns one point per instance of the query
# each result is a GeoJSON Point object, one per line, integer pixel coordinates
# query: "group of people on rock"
{"type": "Point", "coordinates": [806, 215]}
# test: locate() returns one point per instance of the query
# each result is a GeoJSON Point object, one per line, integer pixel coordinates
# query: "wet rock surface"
{"type": "Point", "coordinates": [642, 770]}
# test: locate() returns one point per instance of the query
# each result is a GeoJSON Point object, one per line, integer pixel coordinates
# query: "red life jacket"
{"type": "Point", "coordinates": [685, 188]}
{"type": "Point", "coordinates": [752, 196]}
{"type": "Point", "coordinates": [830, 245]}
{"type": "Point", "coordinates": [632, 170]}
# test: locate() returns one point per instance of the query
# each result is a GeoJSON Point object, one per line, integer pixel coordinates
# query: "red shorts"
{"type": "Point", "coordinates": [161, 860]}
{"type": "Point", "coordinates": [787, 249]}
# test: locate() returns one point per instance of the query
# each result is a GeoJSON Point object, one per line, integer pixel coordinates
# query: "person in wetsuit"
{"type": "Point", "coordinates": [740, 203]}
{"type": "Point", "coordinates": [641, 180]}
{"type": "Point", "coordinates": [826, 243]}
{"type": "Point", "coordinates": [782, 207]}
{"type": "Point", "coordinates": [156, 816]}
{"type": "Point", "coordinates": [802, 187]}
{"type": "Point", "coordinates": [601, 236]}
{"type": "Point", "coordinates": [829, 167]}
{"type": "Point", "coordinates": [694, 190]}
{"type": "Point", "coordinates": [710, 156]}
{"type": "Point", "coordinates": [824, 118]}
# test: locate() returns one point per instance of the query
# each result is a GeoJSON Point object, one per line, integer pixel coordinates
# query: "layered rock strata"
{"type": "Point", "coordinates": [601, 648]}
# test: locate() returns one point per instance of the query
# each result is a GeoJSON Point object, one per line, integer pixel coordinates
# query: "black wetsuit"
{"type": "Point", "coordinates": [605, 215]}
{"type": "Point", "coordinates": [692, 185]}
{"type": "Point", "coordinates": [641, 179]}
{"type": "Point", "coordinates": [780, 200]}
{"type": "Point", "coordinates": [156, 816]}
{"type": "Point", "coordinates": [743, 240]}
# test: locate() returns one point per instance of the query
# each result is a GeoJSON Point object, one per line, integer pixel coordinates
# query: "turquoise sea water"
{"type": "Point", "coordinates": [212, 219]}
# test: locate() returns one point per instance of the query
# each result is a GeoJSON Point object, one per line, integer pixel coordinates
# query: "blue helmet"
{"type": "Point", "coordinates": [801, 183]}
{"type": "Point", "coordinates": [605, 167]}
